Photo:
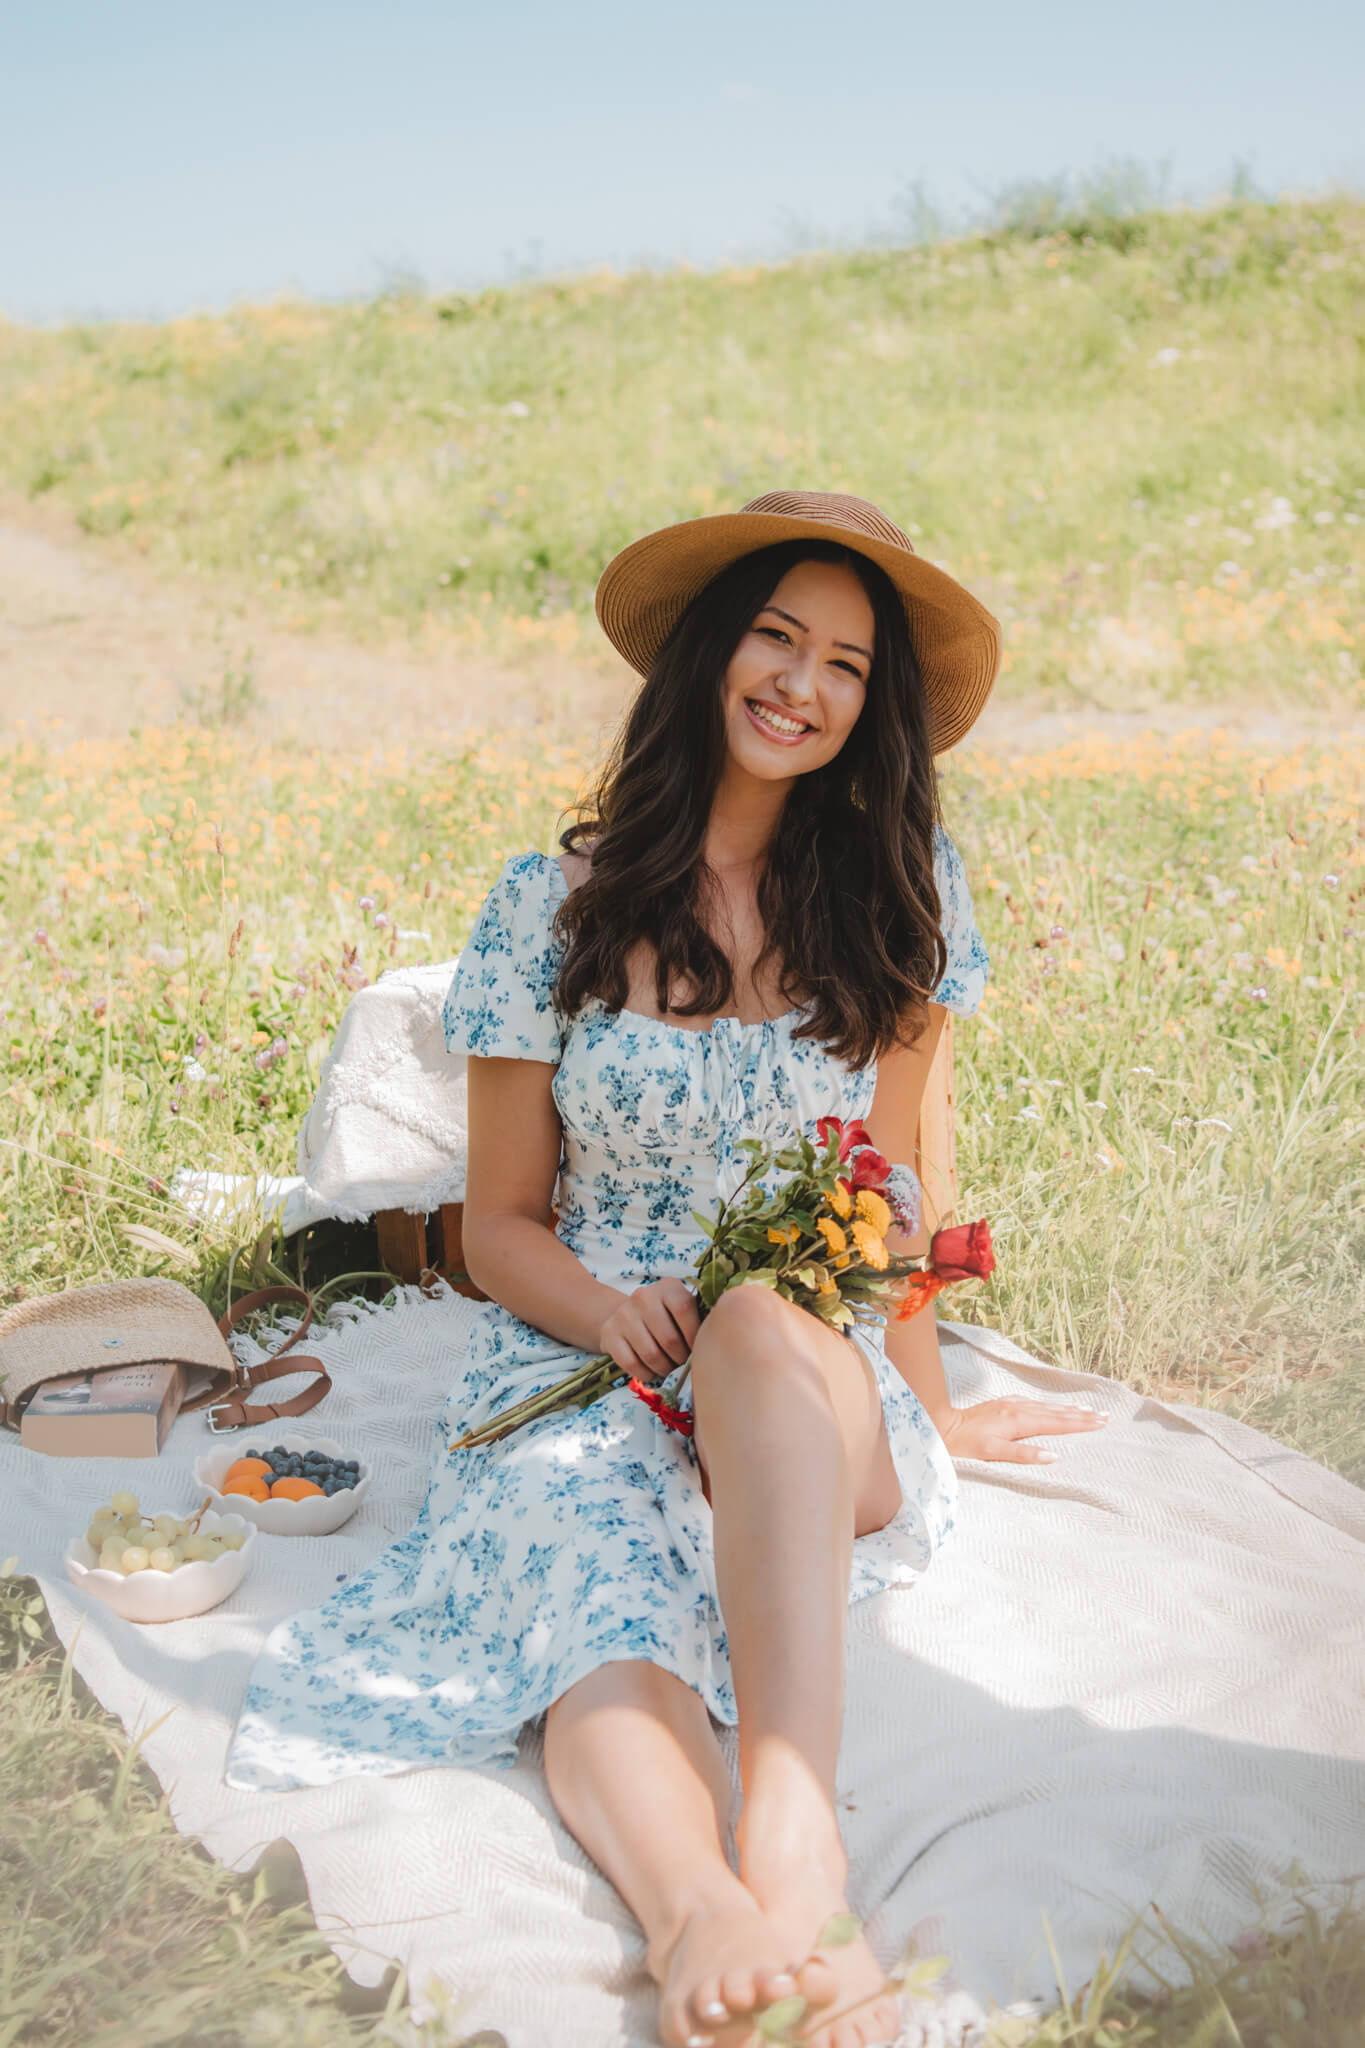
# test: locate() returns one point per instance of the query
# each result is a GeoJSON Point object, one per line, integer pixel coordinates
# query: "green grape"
{"type": "Point", "coordinates": [115, 1541]}
{"type": "Point", "coordinates": [111, 1560]}
{"type": "Point", "coordinates": [231, 1539]}
{"type": "Point", "coordinates": [125, 1504]}
{"type": "Point", "coordinates": [96, 1534]}
{"type": "Point", "coordinates": [162, 1560]}
{"type": "Point", "coordinates": [167, 1526]}
{"type": "Point", "coordinates": [142, 1534]}
{"type": "Point", "coordinates": [108, 1513]}
{"type": "Point", "coordinates": [197, 1549]}
{"type": "Point", "coordinates": [134, 1559]}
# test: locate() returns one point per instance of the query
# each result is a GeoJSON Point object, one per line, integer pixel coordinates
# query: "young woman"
{"type": "Point", "coordinates": [760, 922]}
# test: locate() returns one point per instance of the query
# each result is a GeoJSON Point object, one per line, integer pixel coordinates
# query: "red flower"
{"type": "Point", "coordinates": [671, 1418]}
{"type": "Point", "coordinates": [850, 1136]}
{"type": "Point", "coordinates": [963, 1253]}
{"type": "Point", "coordinates": [869, 1168]}
{"type": "Point", "coordinates": [919, 1289]}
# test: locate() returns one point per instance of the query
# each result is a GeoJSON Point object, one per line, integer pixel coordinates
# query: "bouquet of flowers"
{"type": "Point", "coordinates": [818, 1239]}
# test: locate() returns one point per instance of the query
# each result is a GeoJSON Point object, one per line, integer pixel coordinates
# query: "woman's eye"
{"type": "Point", "coordinates": [776, 633]}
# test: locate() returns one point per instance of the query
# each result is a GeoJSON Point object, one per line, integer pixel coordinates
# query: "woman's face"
{"type": "Point", "coordinates": [797, 681]}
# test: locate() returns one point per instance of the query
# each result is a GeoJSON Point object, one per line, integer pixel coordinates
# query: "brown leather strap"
{"type": "Point", "coordinates": [233, 1411]}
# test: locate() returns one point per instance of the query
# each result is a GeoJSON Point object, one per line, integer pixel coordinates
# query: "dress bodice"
{"type": "Point", "coordinates": [653, 1112]}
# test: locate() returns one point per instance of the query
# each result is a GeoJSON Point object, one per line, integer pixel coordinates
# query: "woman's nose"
{"type": "Point", "coordinates": [797, 680]}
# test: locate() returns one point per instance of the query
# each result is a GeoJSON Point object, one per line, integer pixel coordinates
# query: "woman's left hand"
{"type": "Point", "coordinates": [997, 1429]}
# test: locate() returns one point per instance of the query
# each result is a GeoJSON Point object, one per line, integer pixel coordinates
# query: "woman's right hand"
{"type": "Point", "coordinates": [652, 1330]}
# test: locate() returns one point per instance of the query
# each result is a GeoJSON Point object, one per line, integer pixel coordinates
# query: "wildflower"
{"type": "Point", "coordinates": [874, 1210]}
{"type": "Point", "coordinates": [902, 1192]}
{"type": "Point", "coordinates": [920, 1288]}
{"type": "Point", "coordinates": [787, 1235]}
{"type": "Point", "coordinates": [963, 1252]}
{"type": "Point", "coordinates": [672, 1418]}
{"type": "Point", "coordinates": [869, 1243]}
{"type": "Point", "coordinates": [841, 1201]}
{"type": "Point", "coordinates": [831, 1233]}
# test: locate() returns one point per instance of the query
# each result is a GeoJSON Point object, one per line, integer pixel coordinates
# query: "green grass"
{"type": "Point", "coordinates": [175, 959]}
{"type": "Point", "coordinates": [1143, 438]}
{"type": "Point", "coordinates": [1162, 1101]}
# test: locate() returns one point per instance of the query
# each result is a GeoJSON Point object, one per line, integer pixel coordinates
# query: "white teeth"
{"type": "Point", "coordinates": [775, 719]}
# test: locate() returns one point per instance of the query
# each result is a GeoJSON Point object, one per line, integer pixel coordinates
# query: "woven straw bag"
{"type": "Point", "coordinates": [152, 1322]}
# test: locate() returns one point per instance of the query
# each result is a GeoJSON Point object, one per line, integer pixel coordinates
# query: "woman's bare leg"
{"type": "Point", "coordinates": [638, 1778]}
{"type": "Point", "coordinates": [794, 1457]}
{"type": "Point", "coordinates": [793, 1446]}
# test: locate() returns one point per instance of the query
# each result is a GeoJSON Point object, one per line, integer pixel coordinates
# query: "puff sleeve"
{"type": "Point", "coordinates": [500, 1004]}
{"type": "Point", "coordinates": [964, 978]}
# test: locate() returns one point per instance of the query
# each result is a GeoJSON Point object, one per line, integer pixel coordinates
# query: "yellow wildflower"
{"type": "Point", "coordinates": [869, 1243]}
{"type": "Point", "coordinates": [841, 1202]}
{"type": "Point", "coordinates": [787, 1236]}
{"type": "Point", "coordinates": [831, 1233]}
{"type": "Point", "coordinates": [874, 1210]}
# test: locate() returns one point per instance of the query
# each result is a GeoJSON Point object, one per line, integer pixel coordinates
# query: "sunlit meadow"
{"type": "Point", "coordinates": [1161, 1110]}
{"type": "Point", "coordinates": [1144, 441]}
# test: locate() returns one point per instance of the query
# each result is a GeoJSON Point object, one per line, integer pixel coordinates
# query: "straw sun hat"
{"type": "Point", "coordinates": [646, 588]}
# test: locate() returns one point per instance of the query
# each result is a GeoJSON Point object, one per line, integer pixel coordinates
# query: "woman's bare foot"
{"type": "Point", "coordinates": [728, 1963]}
{"type": "Point", "coordinates": [803, 1896]}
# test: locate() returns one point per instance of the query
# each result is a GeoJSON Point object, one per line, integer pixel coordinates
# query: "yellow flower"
{"type": "Point", "coordinates": [869, 1243]}
{"type": "Point", "coordinates": [787, 1236]}
{"type": "Point", "coordinates": [841, 1202]}
{"type": "Point", "coordinates": [831, 1233]}
{"type": "Point", "coordinates": [874, 1210]}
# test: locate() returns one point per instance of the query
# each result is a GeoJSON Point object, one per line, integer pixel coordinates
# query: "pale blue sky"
{"type": "Point", "coordinates": [156, 158]}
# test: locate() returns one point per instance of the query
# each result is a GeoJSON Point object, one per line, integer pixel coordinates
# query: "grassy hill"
{"type": "Point", "coordinates": [1143, 439]}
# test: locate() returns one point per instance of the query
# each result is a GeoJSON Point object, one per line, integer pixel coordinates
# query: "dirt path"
{"type": "Point", "coordinates": [93, 643]}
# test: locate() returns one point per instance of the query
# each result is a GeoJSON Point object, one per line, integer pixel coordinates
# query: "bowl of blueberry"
{"type": "Point", "coordinates": [288, 1485]}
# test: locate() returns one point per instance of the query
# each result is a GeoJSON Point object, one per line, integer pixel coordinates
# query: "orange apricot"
{"type": "Point", "coordinates": [293, 1489]}
{"type": "Point", "coordinates": [248, 1468]}
{"type": "Point", "coordinates": [246, 1483]}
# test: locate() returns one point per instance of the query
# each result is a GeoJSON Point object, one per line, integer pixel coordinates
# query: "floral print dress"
{"type": "Point", "coordinates": [585, 1537]}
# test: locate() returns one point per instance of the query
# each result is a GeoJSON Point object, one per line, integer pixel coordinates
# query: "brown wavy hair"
{"type": "Point", "coordinates": [847, 895]}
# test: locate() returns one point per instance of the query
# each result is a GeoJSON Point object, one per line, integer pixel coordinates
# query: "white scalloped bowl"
{"type": "Point", "coordinates": [315, 1515]}
{"type": "Point", "coordinates": [165, 1596]}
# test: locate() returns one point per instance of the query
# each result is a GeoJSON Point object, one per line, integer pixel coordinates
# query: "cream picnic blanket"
{"type": "Point", "coordinates": [1132, 1676]}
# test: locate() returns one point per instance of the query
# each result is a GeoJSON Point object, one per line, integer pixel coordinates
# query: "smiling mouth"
{"type": "Point", "coordinates": [778, 723]}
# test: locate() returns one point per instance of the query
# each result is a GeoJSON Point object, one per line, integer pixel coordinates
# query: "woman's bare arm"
{"type": "Point", "coordinates": [893, 1122]}
{"type": "Point", "coordinates": [988, 1429]}
{"type": "Point", "coordinates": [515, 1140]}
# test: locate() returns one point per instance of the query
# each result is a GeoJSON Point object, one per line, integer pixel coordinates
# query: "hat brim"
{"type": "Point", "coordinates": [645, 589]}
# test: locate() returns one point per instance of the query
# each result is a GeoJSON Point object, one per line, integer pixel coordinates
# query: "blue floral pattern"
{"type": "Point", "coordinates": [584, 1538]}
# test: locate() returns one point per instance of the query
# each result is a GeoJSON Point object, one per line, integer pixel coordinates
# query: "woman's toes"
{"type": "Point", "coordinates": [880, 2023]}
{"type": "Point", "coordinates": [773, 1984]}
{"type": "Point", "coordinates": [816, 1982]}
{"type": "Point", "coordinates": [707, 2005]}
{"type": "Point", "coordinates": [738, 1989]}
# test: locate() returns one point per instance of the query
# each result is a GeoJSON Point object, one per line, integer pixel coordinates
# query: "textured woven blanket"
{"type": "Point", "coordinates": [1133, 1676]}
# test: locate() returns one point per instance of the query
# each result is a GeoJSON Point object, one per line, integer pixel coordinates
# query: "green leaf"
{"type": "Point", "coordinates": [761, 1276]}
{"type": "Point", "coordinates": [776, 2021]}
{"type": "Point", "coordinates": [923, 1974]}
{"type": "Point", "coordinates": [706, 1223]}
{"type": "Point", "coordinates": [839, 1931]}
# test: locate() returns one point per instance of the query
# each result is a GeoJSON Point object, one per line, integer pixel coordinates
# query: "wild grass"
{"type": "Point", "coordinates": [1145, 447]}
{"type": "Point", "coordinates": [1161, 1112]}
{"type": "Point", "coordinates": [1140, 434]}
